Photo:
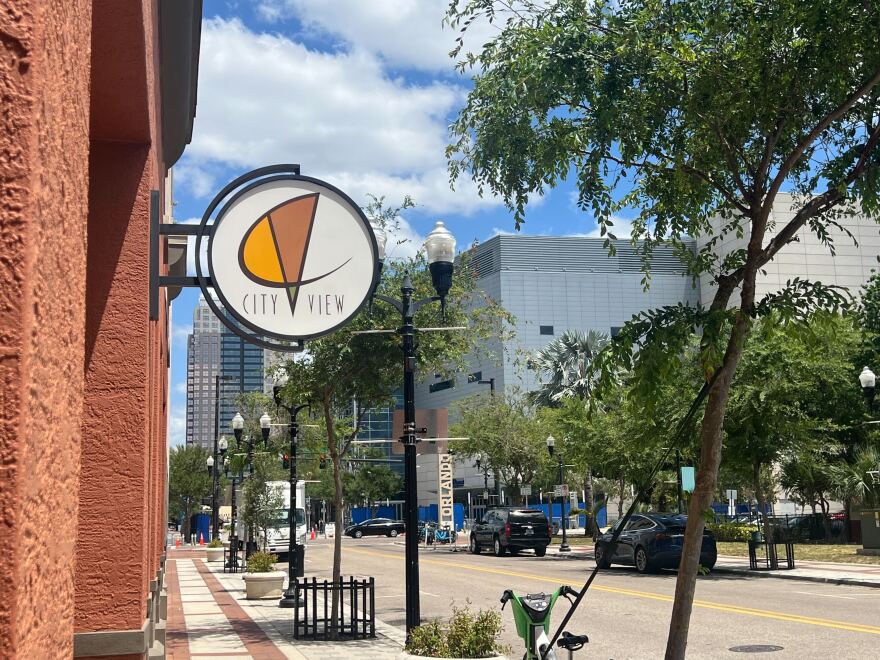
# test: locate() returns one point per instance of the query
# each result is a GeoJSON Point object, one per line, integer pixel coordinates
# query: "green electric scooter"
{"type": "Point", "coordinates": [532, 615]}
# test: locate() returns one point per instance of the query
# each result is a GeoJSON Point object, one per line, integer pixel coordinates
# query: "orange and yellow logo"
{"type": "Point", "coordinates": [273, 251]}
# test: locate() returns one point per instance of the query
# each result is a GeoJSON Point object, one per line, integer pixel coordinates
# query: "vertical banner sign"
{"type": "Point", "coordinates": [290, 258]}
{"type": "Point", "coordinates": [445, 514]}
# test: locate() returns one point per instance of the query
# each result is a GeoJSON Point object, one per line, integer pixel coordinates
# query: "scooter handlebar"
{"type": "Point", "coordinates": [506, 596]}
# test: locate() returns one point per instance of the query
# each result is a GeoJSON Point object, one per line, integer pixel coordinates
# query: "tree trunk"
{"type": "Point", "coordinates": [337, 514]}
{"type": "Point", "coordinates": [592, 526]}
{"type": "Point", "coordinates": [621, 487]}
{"type": "Point", "coordinates": [701, 498]}
{"type": "Point", "coordinates": [826, 519]}
{"type": "Point", "coordinates": [762, 502]}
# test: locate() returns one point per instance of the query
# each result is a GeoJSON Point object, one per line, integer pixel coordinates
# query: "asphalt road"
{"type": "Point", "coordinates": [626, 615]}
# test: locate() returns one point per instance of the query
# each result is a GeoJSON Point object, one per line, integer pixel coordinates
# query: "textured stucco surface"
{"type": "Point", "coordinates": [121, 489]}
{"type": "Point", "coordinates": [43, 207]}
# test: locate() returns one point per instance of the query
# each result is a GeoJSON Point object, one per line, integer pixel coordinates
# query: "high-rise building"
{"type": "Point", "coordinates": [202, 367]}
{"type": "Point", "coordinates": [241, 370]}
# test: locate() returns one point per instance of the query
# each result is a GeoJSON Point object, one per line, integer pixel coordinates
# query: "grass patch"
{"type": "Point", "coordinates": [574, 539]}
{"type": "Point", "coordinates": [807, 552]}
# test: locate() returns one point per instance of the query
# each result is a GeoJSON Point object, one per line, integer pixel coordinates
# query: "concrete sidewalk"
{"type": "Point", "coordinates": [210, 617]}
{"type": "Point", "coordinates": [862, 575]}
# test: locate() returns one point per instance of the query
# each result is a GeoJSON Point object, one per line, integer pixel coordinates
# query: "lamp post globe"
{"type": "Point", "coordinates": [551, 445]}
{"type": "Point", "coordinates": [265, 426]}
{"type": "Point", "coordinates": [237, 426]}
{"type": "Point", "coordinates": [210, 464]}
{"type": "Point", "coordinates": [223, 445]}
{"type": "Point", "coordinates": [868, 380]}
{"type": "Point", "coordinates": [440, 250]}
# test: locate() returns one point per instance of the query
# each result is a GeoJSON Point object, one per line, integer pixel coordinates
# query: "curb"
{"type": "Point", "coordinates": [803, 578]}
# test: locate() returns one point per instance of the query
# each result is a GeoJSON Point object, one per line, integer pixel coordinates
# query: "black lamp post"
{"type": "Point", "coordinates": [294, 550]}
{"type": "Point", "coordinates": [481, 465]}
{"type": "Point", "coordinates": [867, 380]}
{"type": "Point", "coordinates": [440, 249]}
{"type": "Point", "coordinates": [215, 496]}
{"type": "Point", "coordinates": [237, 477]}
{"type": "Point", "coordinates": [551, 449]}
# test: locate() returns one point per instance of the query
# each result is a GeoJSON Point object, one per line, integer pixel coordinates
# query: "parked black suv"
{"type": "Point", "coordinates": [511, 529]}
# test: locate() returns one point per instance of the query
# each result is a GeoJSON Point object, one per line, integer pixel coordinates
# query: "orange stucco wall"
{"type": "Point", "coordinates": [83, 368]}
{"type": "Point", "coordinates": [44, 128]}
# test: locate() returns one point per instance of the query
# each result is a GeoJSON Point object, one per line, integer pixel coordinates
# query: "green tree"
{"type": "Point", "coordinates": [505, 433]}
{"type": "Point", "coordinates": [682, 112]}
{"type": "Point", "coordinates": [262, 500]}
{"type": "Point", "coordinates": [567, 363]}
{"type": "Point", "coordinates": [188, 482]}
{"type": "Point", "coordinates": [343, 367]}
{"type": "Point", "coordinates": [374, 482]}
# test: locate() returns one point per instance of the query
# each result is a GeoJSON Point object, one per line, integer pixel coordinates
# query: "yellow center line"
{"type": "Point", "coordinates": [749, 611]}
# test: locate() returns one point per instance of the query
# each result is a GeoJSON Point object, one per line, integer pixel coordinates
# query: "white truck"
{"type": "Point", "coordinates": [278, 538]}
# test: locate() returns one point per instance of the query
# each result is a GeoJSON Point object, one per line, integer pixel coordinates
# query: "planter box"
{"type": "Point", "coordinates": [264, 585]}
{"type": "Point", "coordinates": [406, 656]}
{"type": "Point", "coordinates": [214, 554]}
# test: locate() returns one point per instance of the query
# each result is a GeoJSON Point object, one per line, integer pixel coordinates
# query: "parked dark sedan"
{"type": "Point", "coordinates": [376, 527]}
{"type": "Point", "coordinates": [652, 541]}
{"type": "Point", "coordinates": [511, 530]}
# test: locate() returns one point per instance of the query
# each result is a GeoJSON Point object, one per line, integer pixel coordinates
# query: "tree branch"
{"type": "Point", "coordinates": [823, 202]}
{"type": "Point", "coordinates": [818, 129]}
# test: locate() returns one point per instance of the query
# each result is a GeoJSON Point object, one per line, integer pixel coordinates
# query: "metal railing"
{"type": "Point", "coordinates": [356, 618]}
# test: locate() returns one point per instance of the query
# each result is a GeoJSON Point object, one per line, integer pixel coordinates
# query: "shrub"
{"type": "Point", "coordinates": [731, 531]}
{"type": "Point", "coordinates": [469, 635]}
{"type": "Point", "coordinates": [215, 543]}
{"type": "Point", "coordinates": [261, 562]}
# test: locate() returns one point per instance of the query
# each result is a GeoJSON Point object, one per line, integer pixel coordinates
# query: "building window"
{"type": "Point", "coordinates": [546, 329]}
{"type": "Point", "coordinates": [615, 330]}
{"type": "Point", "coordinates": [442, 385]}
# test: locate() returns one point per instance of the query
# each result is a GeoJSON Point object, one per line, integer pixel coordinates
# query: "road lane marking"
{"type": "Point", "coordinates": [810, 593]}
{"type": "Point", "coordinates": [737, 609]}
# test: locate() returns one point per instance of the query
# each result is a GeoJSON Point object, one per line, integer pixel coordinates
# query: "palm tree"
{"type": "Point", "coordinates": [857, 481]}
{"type": "Point", "coordinates": [568, 364]}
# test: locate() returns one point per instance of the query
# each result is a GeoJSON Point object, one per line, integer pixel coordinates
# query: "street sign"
{"type": "Point", "coordinates": [525, 490]}
{"type": "Point", "coordinates": [731, 495]}
{"type": "Point", "coordinates": [688, 479]}
{"type": "Point", "coordinates": [560, 490]}
{"type": "Point", "coordinates": [289, 257]}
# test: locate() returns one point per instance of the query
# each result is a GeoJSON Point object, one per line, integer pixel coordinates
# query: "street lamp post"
{"type": "Point", "coordinates": [867, 380]}
{"type": "Point", "coordinates": [237, 476]}
{"type": "Point", "coordinates": [294, 550]}
{"type": "Point", "coordinates": [551, 449]}
{"type": "Point", "coordinates": [440, 249]}
{"type": "Point", "coordinates": [215, 496]}
{"type": "Point", "coordinates": [481, 465]}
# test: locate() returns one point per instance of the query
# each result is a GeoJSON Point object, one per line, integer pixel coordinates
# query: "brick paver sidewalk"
{"type": "Point", "coordinates": [209, 617]}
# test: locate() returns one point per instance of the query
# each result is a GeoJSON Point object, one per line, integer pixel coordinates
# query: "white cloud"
{"type": "Point", "coordinates": [177, 430]}
{"type": "Point", "coordinates": [264, 98]}
{"type": "Point", "coordinates": [408, 34]}
{"type": "Point", "coordinates": [179, 334]}
{"type": "Point", "coordinates": [180, 388]}
{"type": "Point", "coordinates": [621, 227]}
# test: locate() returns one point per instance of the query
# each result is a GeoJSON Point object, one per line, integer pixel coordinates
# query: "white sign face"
{"type": "Point", "coordinates": [525, 490]}
{"type": "Point", "coordinates": [560, 490]}
{"type": "Point", "coordinates": [731, 494]}
{"type": "Point", "coordinates": [292, 258]}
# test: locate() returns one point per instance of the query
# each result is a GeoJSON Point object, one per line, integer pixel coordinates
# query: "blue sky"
{"type": "Point", "coordinates": [359, 94]}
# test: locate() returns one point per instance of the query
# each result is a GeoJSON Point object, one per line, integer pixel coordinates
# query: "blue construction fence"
{"type": "Point", "coordinates": [556, 513]}
{"type": "Point", "coordinates": [426, 513]}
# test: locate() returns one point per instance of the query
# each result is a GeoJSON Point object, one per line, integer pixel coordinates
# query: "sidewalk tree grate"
{"type": "Point", "coordinates": [755, 648]}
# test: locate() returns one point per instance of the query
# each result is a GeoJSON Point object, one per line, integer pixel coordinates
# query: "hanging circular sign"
{"type": "Point", "coordinates": [291, 257]}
